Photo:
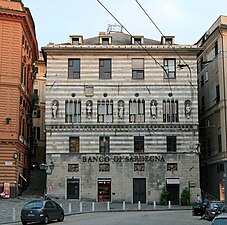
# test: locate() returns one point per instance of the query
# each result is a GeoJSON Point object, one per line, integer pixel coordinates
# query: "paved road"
{"type": "Point", "coordinates": [133, 218]}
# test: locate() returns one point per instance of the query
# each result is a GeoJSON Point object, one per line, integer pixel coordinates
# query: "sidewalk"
{"type": "Point", "coordinates": [74, 206]}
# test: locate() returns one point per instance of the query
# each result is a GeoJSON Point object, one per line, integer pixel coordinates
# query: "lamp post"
{"type": "Point", "coordinates": [47, 167]}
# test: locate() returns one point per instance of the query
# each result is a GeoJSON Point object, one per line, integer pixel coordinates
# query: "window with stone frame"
{"type": "Point", "coordinates": [137, 69]}
{"type": "Point", "coordinates": [170, 68]}
{"type": "Point", "coordinates": [170, 111]}
{"type": "Point", "coordinates": [104, 69]}
{"type": "Point", "coordinates": [105, 111]}
{"type": "Point", "coordinates": [74, 144]}
{"type": "Point", "coordinates": [74, 68]}
{"type": "Point", "coordinates": [138, 144]}
{"type": "Point", "coordinates": [73, 111]}
{"type": "Point", "coordinates": [139, 167]}
{"type": "Point", "coordinates": [172, 167]}
{"type": "Point", "coordinates": [137, 111]}
{"type": "Point", "coordinates": [171, 143]}
{"type": "Point", "coordinates": [104, 167]}
{"type": "Point", "coordinates": [73, 167]}
{"type": "Point", "coordinates": [104, 144]}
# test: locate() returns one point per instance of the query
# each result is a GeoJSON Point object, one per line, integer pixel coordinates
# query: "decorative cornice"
{"type": "Point", "coordinates": [121, 128]}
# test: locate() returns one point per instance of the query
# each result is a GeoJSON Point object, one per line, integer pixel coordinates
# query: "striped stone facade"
{"type": "Point", "coordinates": [121, 170]}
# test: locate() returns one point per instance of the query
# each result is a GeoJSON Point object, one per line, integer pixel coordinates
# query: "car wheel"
{"type": "Point", "coordinates": [46, 220]}
{"type": "Point", "coordinates": [24, 223]}
{"type": "Point", "coordinates": [61, 218]}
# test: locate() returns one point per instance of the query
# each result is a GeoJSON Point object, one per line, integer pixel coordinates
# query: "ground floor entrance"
{"type": "Point", "coordinates": [104, 190]}
{"type": "Point", "coordinates": [139, 190]}
{"type": "Point", "coordinates": [73, 188]}
{"type": "Point", "coordinates": [173, 187]}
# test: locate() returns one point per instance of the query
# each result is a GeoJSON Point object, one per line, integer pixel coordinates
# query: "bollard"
{"type": "Point", "coordinates": [123, 205]}
{"type": "Point", "coordinates": [139, 205]}
{"type": "Point", "coordinates": [108, 206]}
{"type": "Point", "coordinates": [93, 206]}
{"type": "Point", "coordinates": [169, 204]}
{"type": "Point", "coordinates": [70, 207]}
{"type": "Point", "coordinates": [81, 207]}
{"type": "Point", "coordinates": [14, 214]}
{"type": "Point", "coordinates": [154, 205]}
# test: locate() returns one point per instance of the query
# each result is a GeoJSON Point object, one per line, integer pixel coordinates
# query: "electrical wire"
{"type": "Point", "coordinates": [185, 64]}
{"type": "Point", "coordinates": [157, 63]}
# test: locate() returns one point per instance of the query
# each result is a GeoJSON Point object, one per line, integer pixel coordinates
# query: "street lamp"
{"type": "Point", "coordinates": [47, 167]}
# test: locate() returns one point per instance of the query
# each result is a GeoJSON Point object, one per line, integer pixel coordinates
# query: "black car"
{"type": "Point", "coordinates": [197, 209]}
{"type": "Point", "coordinates": [41, 211]}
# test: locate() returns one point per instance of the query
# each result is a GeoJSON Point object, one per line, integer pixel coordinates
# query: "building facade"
{"type": "Point", "coordinates": [38, 155]}
{"type": "Point", "coordinates": [121, 118]}
{"type": "Point", "coordinates": [212, 80]}
{"type": "Point", "coordinates": [18, 51]}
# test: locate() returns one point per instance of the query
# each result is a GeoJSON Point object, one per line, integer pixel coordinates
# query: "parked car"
{"type": "Point", "coordinates": [224, 208]}
{"type": "Point", "coordinates": [41, 211]}
{"type": "Point", "coordinates": [197, 209]}
{"type": "Point", "coordinates": [213, 208]}
{"type": "Point", "coordinates": [220, 219]}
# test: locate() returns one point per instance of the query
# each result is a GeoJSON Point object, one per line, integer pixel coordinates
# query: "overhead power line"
{"type": "Point", "coordinates": [170, 94]}
{"type": "Point", "coordinates": [180, 65]}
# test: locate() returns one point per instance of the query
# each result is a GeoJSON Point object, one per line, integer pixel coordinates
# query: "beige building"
{"type": "Point", "coordinates": [121, 118]}
{"type": "Point", "coordinates": [212, 71]}
{"type": "Point", "coordinates": [39, 137]}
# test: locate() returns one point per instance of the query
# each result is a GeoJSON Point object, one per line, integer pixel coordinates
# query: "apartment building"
{"type": "Point", "coordinates": [121, 118]}
{"type": "Point", "coordinates": [18, 52]}
{"type": "Point", "coordinates": [212, 80]}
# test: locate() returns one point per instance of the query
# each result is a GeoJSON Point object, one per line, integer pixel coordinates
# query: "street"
{"type": "Point", "coordinates": [179, 217]}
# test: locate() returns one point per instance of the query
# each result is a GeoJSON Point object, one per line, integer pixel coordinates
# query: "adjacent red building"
{"type": "Point", "coordinates": [18, 52]}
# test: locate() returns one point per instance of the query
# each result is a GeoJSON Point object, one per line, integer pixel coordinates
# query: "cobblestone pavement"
{"type": "Point", "coordinates": [10, 208]}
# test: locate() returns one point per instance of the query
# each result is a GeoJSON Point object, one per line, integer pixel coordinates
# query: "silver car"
{"type": "Point", "coordinates": [220, 219]}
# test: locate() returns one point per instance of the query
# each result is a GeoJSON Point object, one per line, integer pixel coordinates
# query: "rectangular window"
{"type": "Point", "coordinates": [105, 41]}
{"type": "Point", "coordinates": [74, 69]}
{"type": "Point", "coordinates": [74, 144]}
{"type": "Point", "coordinates": [104, 144]}
{"type": "Point", "coordinates": [137, 111]}
{"type": "Point", "coordinates": [75, 41]}
{"type": "Point", "coordinates": [217, 93]}
{"type": "Point", "coordinates": [216, 48]}
{"type": "Point", "coordinates": [202, 80]}
{"type": "Point", "coordinates": [138, 41]}
{"type": "Point", "coordinates": [171, 143]}
{"type": "Point", "coordinates": [170, 68]}
{"type": "Point", "coordinates": [168, 41]}
{"type": "Point", "coordinates": [138, 144]}
{"type": "Point", "coordinates": [137, 69]}
{"type": "Point", "coordinates": [104, 69]}
{"type": "Point", "coordinates": [219, 144]}
{"type": "Point", "coordinates": [105, 167]}
{"type": "Point", "coordinates": [73, 111]}
{"type": "Point", "coordinates": [172, 167]}
{"type": "Point", "coordinates": [105, 111]}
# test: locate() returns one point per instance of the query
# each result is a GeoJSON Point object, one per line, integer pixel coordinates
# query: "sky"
{"type": "Point", "coordinates": [187, 20]}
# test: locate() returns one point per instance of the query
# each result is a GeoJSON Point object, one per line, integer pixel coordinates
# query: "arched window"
{"type": "Point", "coordinates": [105, 111]}
{"type": "Point", "coordinates": [170, 111]}
{"type": "Point", "coordinates": [73, 111]}
{"type": "Point", "coordinates": [137, 111]}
